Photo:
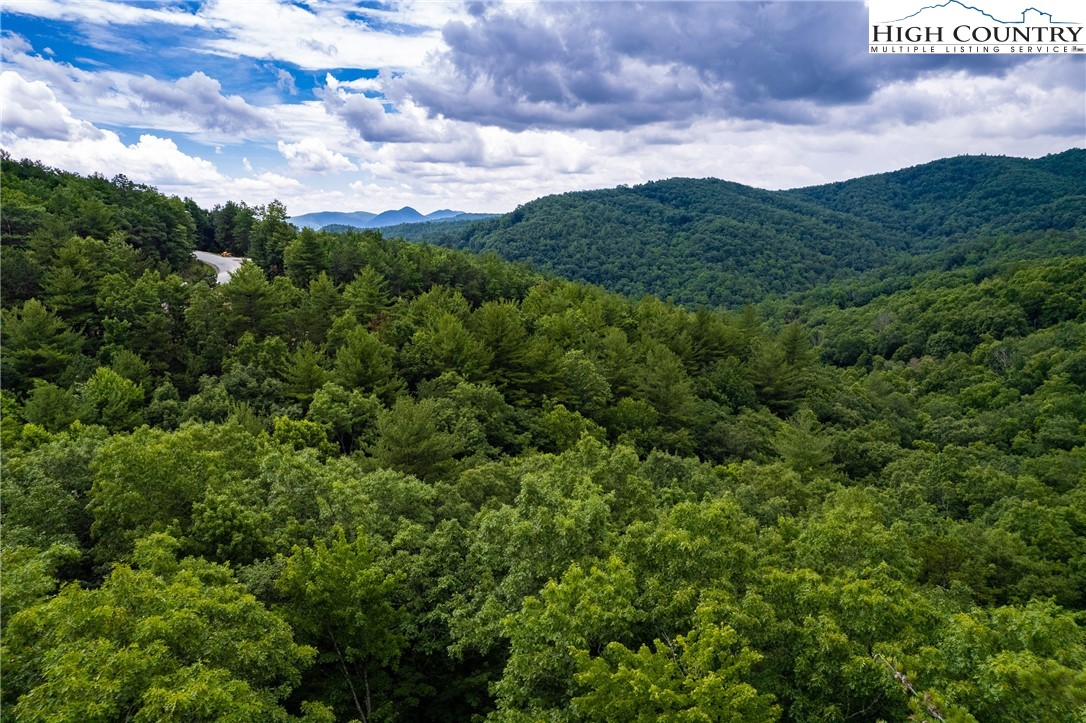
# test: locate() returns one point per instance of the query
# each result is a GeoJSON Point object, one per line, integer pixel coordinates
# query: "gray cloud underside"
{"type": "Point", "coordinates": [199, 96]}
{"type": "Point", "coordinates": [367, 116]}
{"type": "Point", "coordinates": [615, 65]}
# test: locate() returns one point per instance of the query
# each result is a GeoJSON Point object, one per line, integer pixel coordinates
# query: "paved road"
{"type": "Point", "coordinates": [225, 265]}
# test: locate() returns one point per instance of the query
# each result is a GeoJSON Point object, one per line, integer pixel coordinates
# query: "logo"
{"type": "Point", "coordinates": [977, 26]}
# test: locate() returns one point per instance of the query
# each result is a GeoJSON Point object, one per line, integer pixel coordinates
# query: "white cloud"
{"type": "Point", "coordinates": [198, 97]}
{"type": "Point", "coordinates": [359, 85]}
{"type": "Point", "coordinates": [295, 122]}
{"type": "Point", "coordinates": [413, 13]}
{"type": "Point", "coordinates": [326, 36]}
{"type": "Point", "coordinates": [101, 12]}
{"type": "Point", "coordinates": [264, 187]}
{"type": "Point", "coordinates": [285, 81]}
{"type": "Point", "coordinates": [152, 159]}
{"type": "Point", "coordinates": [513, 168]}
{"type": "Point", "coordinates": [64, 79]}
{"type": "Point", "coordinates": [13, 43]}
{"type": "Point", "coordinates": [159, 162]}
{"type": "Point", "coordinates": [330, 34]}
{"type": "Point", "coordinates": [310, 154]}
{"type": "Point", "coordinates": [372, 122]}
{"type": "Point", "coordinates": [31, 110]}
{"type": "Point", "coordinates": [193, 104]}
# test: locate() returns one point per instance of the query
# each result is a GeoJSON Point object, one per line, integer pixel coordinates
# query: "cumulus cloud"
{"type": "Point", "coordinates": [360, 85]}
{"type": "Point", "coordinates": [199, 97]}
{"type": "Point", "coordinates": [369, 117]}
{"type": "Point", "coordinates": [616, 66]}
{"type": "Point", "coordinates": [31, 110]}
{"type": "Point", "coordinates": [64, 79]}
{"type": "Point", "coordinates": [150, 160]}
{"type": "Point", "coordinates": [193, 104]}
{"type": "Point", "coordinates": [159, 162]}
{"type": "Point", "coordinates": [310, 154]}
{"type": "Point", "coordinates": [264, 187]}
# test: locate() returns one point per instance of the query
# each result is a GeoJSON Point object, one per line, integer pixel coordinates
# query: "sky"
{"type": "Point", "coordinates": [482, 106]}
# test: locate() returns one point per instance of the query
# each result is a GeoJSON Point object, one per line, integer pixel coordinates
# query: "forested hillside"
{"type": "Point", "coordinates": [712, 242]}
{"type": "Point", "coordinates": [424, 231]}
{"type": "Point", "coordinates": [966, 195]}
{"type": "Point", "coordinates": [372, 480]}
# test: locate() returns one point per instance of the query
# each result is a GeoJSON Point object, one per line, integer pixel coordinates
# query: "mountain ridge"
{"type": "Point", "coordinates": [368, 219]}
{"type": "Point", "coordinates": [710, 242]}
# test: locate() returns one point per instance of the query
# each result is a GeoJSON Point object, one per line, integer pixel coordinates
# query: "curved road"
{"type": "Point", "coordinates": [225, 265]}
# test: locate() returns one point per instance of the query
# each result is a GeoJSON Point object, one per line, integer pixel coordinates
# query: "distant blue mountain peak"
{"type": "Point", "coordinates": [366, 219]}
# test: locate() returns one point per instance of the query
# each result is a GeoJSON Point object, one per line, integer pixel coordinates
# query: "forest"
{"type": "Point", "coordinates": [709, 242]}
{"type": "Point", "coordinates": [370, 479]}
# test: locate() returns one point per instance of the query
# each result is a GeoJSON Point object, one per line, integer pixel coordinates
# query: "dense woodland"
{"type": "Point", "coordinates": [374, 480]}
{"type": "Point", "coordinates": [710, 242]}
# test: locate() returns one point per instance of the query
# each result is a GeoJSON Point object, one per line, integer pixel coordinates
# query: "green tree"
{"type": "Point", "coordinates": [271, 235]}
{"type": "Point", "coordinates": [692, 547]}
{"type": "Point", "coordinates": [304, 373]}
{"type": "Point", "coordinates": [558, 429]}
{"type": "Point", "coordinates": [584, 611]}
{"type": "Point", "coordinates": [203, 224]}
{"type": "Point", "coordinates": [365, 363]}
{"type": "Point", "coordinates": [251, 303]}
{"type": "Point", "coordinates": [304, 258]}
{"type": "Point", "coordinates": [665, 385]}
{"type": "Point", "coordinates": [233, 224]}
{"type": "Point", "coordinates": [500, 328]}
{"type": "Point", "coordinates": [409, 439]}
{"type": "Point", "coordinates": [778, 382]}
{"type": "Point", "coordinates": [580, 383]}
{"type": "Point", "coordinates": [149, 480]}
{"type": "Point", "coordinates": [164, 411]}
{"type": "Point", "coordinates": [338, 597]}
{"type": "Point", "coordinates": [231, 524]}
{"type": "Point", "coordinates": [45, 490]}
{"type": "Point", "coordinates": [112, 400]}
{"type": "Point", "coordinates": [159, 226]}
{"type": "Point", "coordinates": [349, 418]}
{"type": "Point", "coordinates": [145, 317]}
{"type": "Point", "coordinates": [53, 408]}
{"type": "Point", "coordinates": [445, 345]}
{"type": "Point", "coordinates": [166, 641]}
{"type": "Point", "coordinates": [300, 434]}
{"type": "Point", "coordinates": [320, 309]}
{"type": "Point", "coordinates": [366, 294]}
{"type": "Point", "coordinates": [1008, 663]}
{"type": "Point", "coordinates": [29, 575]}
{"type": "Point", "coordinates": [561, 514]}
{"type": "Point", "coordinates": [849, 533]}
{"type": "Point", "coordinates": [803, 447]}
{"type": "Point", "coordinates": [703, 675]}
{"type": "Point", "coordinates": [69, 288]}
{"type": "Point", "coordinates": [36, 345]}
